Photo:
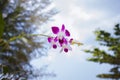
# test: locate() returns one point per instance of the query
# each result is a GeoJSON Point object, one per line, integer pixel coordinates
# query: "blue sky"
{"type": "Point", "coordinates": [81, 18]}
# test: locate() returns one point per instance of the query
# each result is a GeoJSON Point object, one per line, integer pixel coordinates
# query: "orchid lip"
{"type": "Point", "coordinates": [61, 41]}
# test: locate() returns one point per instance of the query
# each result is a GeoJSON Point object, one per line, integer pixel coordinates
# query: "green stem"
{"type": "Point", "coordinates": [24, 35]}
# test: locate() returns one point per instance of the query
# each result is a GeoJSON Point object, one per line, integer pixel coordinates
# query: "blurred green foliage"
{"type": "Point", "coordinates": [112, 56]}
{"type": "Point", "coordinates": [17, 19]}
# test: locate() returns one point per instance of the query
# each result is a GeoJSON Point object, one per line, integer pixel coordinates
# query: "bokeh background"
{"type": "Point", "coordinates": [25, 53]}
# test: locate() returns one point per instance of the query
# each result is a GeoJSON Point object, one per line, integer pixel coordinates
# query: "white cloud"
{"type": "Point", "coordinates": [80, 13]}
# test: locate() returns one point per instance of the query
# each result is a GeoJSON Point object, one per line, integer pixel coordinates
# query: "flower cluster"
{"type": "Point", "coordinates": [61, 38]}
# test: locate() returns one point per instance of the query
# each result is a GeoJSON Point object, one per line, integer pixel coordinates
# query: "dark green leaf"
{"type": "Point", "coordinates": [5, 69]}
{"type": "Point", "coordinates": [1, 25]}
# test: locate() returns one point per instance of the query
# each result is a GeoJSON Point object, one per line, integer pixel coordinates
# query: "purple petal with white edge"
{"type": "Point", "coordinates": [50, 39]}
{"type": "Point", "coordinates": [67, 33]}
{"type": "Point", "coordinates": [55, 39]}
{"type": "Point", "coordinates": [65, 41]}
{"type": "Point", "coordinates": [63, 27]}
{"type": "Point", "coordinates": [55, 30]}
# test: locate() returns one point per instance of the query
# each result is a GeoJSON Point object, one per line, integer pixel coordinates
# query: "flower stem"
{"type": "Point", "coordinates": [25, 35]}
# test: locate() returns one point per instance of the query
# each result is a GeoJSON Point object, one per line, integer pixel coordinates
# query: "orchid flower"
{"type": "Point", "coordinates": [61, 39]}
{"type": "Point", "coordinates": [61, 33]}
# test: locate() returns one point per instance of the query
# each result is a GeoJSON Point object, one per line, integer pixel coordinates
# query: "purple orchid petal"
{"type": "Point", "coordinates": [65, 50]}
{"type": "Point", "coordinates": [55, 39]}
{"type": "Point", "coordinates": [70, 41]}
{"type": "Point", "coordinates": [61, 41]}
{"type": "Point", "coordinates": [55, 30]}
{"type": "Point", "coordinates": [63, 27]}
{"type": "Point", "coordinates": [54, 46]}
{"type": "Point", "coordinates": [65, 41]}
{"type": "Point", "coordinates": [67, 33]}
{"type": "Point", "coordinates": [50, 39]}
